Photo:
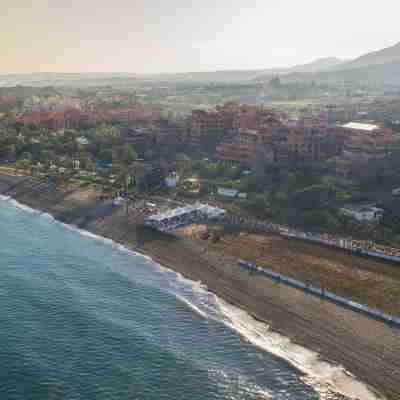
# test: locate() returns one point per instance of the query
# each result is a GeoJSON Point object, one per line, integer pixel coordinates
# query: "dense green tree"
{"type": "Point", "coordinates": [129, 154]}
{"type": "Point", "coordinates": [313, 197]}
{"type": "Point", "coordinates": [106, 155]}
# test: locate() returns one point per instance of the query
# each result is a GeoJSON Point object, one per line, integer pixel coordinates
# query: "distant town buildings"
{"type": "Point", "coordinates": [74, 118]}
{"type": "Point", "coordinates": [306, 137]}
{"type": "Point", "coordinates": [241, 134]}
{"type": "Point", "coordinates": [275, 137]}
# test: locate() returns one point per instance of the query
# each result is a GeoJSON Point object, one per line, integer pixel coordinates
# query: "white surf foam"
{"type": "Point", "coordinates": [322, 376]}
{"type": "Point", "coordinates": [325, 378]}
{"type": "Point", "coordinates": [71, 227]}
{"type": "Point", "coordinates": [193, 307]}
{"type": "Point", "coordinates": [23, 207]}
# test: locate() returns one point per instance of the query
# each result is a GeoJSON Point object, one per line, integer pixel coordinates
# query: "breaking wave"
{"type": "Point", "coordinates": [325, 378]}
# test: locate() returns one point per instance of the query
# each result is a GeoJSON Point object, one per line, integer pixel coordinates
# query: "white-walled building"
{"type": "Point", "coordinates": [368, 214]}
{"type": "Point", "coordinates": [172, 180]}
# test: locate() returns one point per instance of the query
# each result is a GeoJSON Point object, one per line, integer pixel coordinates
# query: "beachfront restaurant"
{"type": "Point", "coordinates": [181, 216]}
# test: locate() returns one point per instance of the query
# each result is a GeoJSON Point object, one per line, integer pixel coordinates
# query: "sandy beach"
{"type": "Point", "coordinates": [368, 349]}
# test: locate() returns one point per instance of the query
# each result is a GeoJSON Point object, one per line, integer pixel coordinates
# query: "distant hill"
{"type": "Point", "coordinates": [378, 67]}
{"type": "Point", "coordinates": [320, 64]}
{"type": "Point", "coordinates": [388, 55]}
{"type": "Point", "coordinates": [225, 76]}
{"type": "Point", "coordinates": [207, 76]}
{"type": "Point", "coordinates": [66, 79]}
{"type": "Point", "coordinates": [377, 74]}
{"type": "Point", "coordinates": [117, 78]}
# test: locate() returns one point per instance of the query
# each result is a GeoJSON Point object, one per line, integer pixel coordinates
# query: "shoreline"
{"type": "Point", "coordinates": [326, 388]}
{"type": "Point", "coordinates": [310, 323]}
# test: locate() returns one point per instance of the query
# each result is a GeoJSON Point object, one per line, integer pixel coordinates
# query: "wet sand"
{"type": "Point", "coordinates": [368, 349]}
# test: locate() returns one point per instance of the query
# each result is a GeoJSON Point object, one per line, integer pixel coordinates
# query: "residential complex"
{"type": "Point", "coordinates": [278, 138]}
{"type": "Point", "coordinates": [239, 133]}
{"type": "Point", "coordinates": [362, 144]}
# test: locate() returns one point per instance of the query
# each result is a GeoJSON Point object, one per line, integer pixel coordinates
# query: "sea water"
{"type": "Point", "coordinates": [83, 318]}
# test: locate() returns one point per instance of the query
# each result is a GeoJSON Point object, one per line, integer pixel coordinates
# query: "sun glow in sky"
{"type": "Point", "coordinates": [147, 36]}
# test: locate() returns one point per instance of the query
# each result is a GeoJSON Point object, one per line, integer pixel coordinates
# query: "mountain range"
{"type": "Point", "coordinates": [388, 55]}
{"type": "Point", "coordinates": [378, 67]}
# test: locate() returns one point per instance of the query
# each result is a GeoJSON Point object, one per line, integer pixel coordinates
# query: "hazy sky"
{"type": "Point", "coordinates": [188, 35]}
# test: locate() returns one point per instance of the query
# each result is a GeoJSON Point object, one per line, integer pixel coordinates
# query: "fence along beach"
{"type": "Point", "coordinates": [367, 348]}
{"type": "Point", "coordinates": [321, 293]}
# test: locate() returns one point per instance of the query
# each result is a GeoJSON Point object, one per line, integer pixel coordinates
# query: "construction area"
{"type": "Point", "coordinates": [362, 279]}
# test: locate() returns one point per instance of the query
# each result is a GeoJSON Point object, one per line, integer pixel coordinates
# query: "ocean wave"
{"type": "Point", "coordinates": [325, 378]}
{"type": "Point", "coordinates": [193, 293]}
{"type": "Point", "coordinates": [70, 227]}
{"type": "Point", "coordinates": [192, 306]}
{"type": "Point", "coordinates": [23, 207]}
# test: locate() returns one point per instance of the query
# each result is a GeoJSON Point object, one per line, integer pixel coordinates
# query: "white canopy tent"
{"type": "Point", "coordinates": [171, 219]}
